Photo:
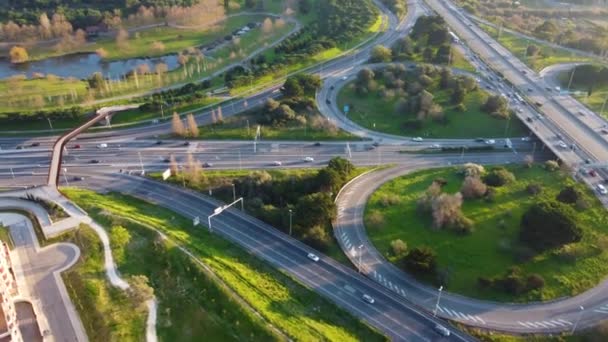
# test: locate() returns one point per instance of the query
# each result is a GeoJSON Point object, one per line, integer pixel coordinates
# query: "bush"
{"type": "Point", "coordinates": [399, 248]}
{"type": "Point", "coordinates": [389, 200]}
{"type": "Point", "coordinates": [472, 169]}
{"type": "Point", "coordinates": [485, 282]}
{"type": "Point", "coordinates": [421, 260]}
{"type": "Point", "coordinates": [534, 189]}
{"type": "Point", "coordinates": [375, 220]}
{"type": "Point", "coordinates": [569, 195]}
{"type": "Point", "coordinates": [535, 282]}
{"type": "Point", "coordinates": [551, 165]}
{"type": "Point", "coordinates": [490, 195]}
{"type": "Point", "coordinates": [549, 224]}
{"type": "Point", "coordinates": [499, 177]}
{"type": "Point", "coordinates": [461, 107]}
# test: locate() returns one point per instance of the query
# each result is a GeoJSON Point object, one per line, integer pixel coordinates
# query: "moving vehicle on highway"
{"type": "Point", "coordinates": [443, 331]}
{"type": "Point", "coordinates": [309, 159]}
{"type": "Point", "coordinates": [313, 257]}
{"type": "Point", "coordinates": [368, 299]}
{"type": "Point", "coordinates": [602, 189]}
{"type": "Point", "coordinates": [102, 145]}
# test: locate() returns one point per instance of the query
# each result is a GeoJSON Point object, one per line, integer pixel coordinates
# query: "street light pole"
{"type": "Point", "coordinates": [233, 192]}
{"type": "Point", "coordinates": [141, 163]}
{"type": "Point", "coordinates": [604, 106]}
{"type": "Point", "coordinates": [571, 78]}
{"type": "Point", "coordinates": [65, 176]}
{"type": "Point", "coordinates": [438, 299]}
{"type": "Point", "coordinates": [578, 320]}
{"type": "Point", "coordinates": [290, 220]}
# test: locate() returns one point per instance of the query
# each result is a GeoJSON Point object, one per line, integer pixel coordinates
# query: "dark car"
{"type": "Point", "coordinates": [186, 143]}
{"type": "Point", "coordinates": [78, 178]}
{"type": "Point", "coordinates": [159, 142]}
{"type": "Point", "coordinates": [76, 146]}
{"type": "Point", "coordinates": [207, 164]}
{"type": "Point", "coordinates": [592, 173]}
{"type": "Point", "coordinates": [529, 119]}
{"type": "Point", "coordinates": [19, 147]}
{"type": "Point", "coordinates": [480, 140]}
{"type": "Point", "coordinates": [604, 131]}
{"type": "Point", "coordinates": [317, 144]}
{"type": "Point", "coordinates": [95, 161]}
{"type": "Point", "coordinates": [331, 88]}
{"type": "Point", "coordinates": [166, 160]}
{"type": "Point", "coordinates": [327, 101]}
{"type": "Point", "coordinates": [36, 144]}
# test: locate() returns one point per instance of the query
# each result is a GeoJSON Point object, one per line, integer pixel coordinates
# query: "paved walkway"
{"type": "Point", "coordinates": [37, 271]}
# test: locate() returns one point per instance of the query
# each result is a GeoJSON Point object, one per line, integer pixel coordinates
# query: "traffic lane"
{"type": "Point", "coordinates": [312, 274]}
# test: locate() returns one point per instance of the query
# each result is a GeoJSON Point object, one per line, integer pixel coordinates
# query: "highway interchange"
{"type": "Point", "coordinates": [403, 308]}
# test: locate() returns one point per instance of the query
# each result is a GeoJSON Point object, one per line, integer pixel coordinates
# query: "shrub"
{"type": "Point", "coordinates": [375, 220]}
{"type": "Point", "coordinates": [551, 165]}
{"type": "Point", "coordinates": [499, 177]}
{"type": "Point", "coordinates": [399, 248]}
{"type": "Point", "coordinates": [472, 169]}
{"type": "Point", "coordinates": [534, 189]}
{"type": "Point", "coordinates": [421, 260]}
{"type": "Point", "coordinates": [473, 187]}
{"type": "Point", "coordinates": [389, 200]}
{"type": "Point", "coordinates": [535, 281]}
{"type": "Point", "coordinates": [490, 195]}
{"type": "Point", "coordinates": [446, 210]}
{"type": "Point", "coordinates": [485, 282]}
{"type": "Point", "coordinates": [461, 107]}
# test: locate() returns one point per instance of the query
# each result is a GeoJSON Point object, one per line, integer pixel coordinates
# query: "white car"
{"type": "Point", "coordinates": [309, 159]}
{"type": "Point", "coordinates": [368, 299]}
{"type": "Point", "coordinates": [344, 78]}
{"type": "Point", "coordinates": [435, 146]}
{"type": "Point", "coordinates": [277, 163]}
{"type": "Point", "coordinates": [562, 144]}
{"type": "Point", "coordinates": [102, 146]}
{"type": "Point", "coordinates": [313, 257]}
{"type": "Point", "coordinates": [418, 139]}
{"type": "Point", "coordinates": [602, 189]}
{"type": "Point", "coordinates": [443, 331]}
{"type": "Point", "coordinates": [526, 139]}
{"type": "Point", "coordinates": [490, 142]}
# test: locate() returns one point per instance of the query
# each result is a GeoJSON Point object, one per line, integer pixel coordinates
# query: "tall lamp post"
{"type": "Point", "coordinates": [233, 192]}
{"type": "Point", "coordinates": [360, 264]}
{"type": "Point", "coordinates": [578, 320]}
{"type": "Point", "coordinates": [438, 299]}
{"type": "Point", "coordinates": [221, 209]}
{"type": "Point", "coordinates": [290, 220]}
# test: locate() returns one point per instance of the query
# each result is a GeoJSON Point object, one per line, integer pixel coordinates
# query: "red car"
{"type": "Point", "coordinates": [592, 173]}
{"type": "Point", "coordinates": [76, 146]}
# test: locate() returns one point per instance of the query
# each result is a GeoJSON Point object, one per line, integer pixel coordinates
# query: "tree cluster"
{"type": "Point", "coordinates": [549, 224]}
{"type": "Point", "coordinates": [399, 7]}
{"type": "Point", "coordinates": [514, 282]}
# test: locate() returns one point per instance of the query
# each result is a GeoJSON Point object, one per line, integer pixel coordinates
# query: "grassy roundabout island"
{"type": "Point", "coordinates": [540, 236]}
{"type": "Point", "coordinates": [426, 101]}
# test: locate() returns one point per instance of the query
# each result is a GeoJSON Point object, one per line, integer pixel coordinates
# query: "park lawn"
{"type": "Point", "coordinates": [281, 300]}
{"type": "Point", "coordinates": [236, 127]}
{"type": "Point", "coordinates": [373, 112]}
{"type": "Point", "coordinates": [106, 312]}
{"type": "Point", "coordinates": [490, 250]}
{"type": "Point", "coordinates": [546, 57]}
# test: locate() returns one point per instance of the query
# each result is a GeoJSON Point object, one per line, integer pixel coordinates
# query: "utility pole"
{"type": "Point", "coordinates": [65, 176]}
{"type": "Point", "coordinates": [438, 299]}
{"type": "Point", "coordinates": [571, 78]}
{"type": "Point", "coordinates": [141, 163]}
{"type": "Point", "coordinates": [233, 192]}
{"type": "Point", "coordinates": [50, 124]}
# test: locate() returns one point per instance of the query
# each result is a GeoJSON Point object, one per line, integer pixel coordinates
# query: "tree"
{"type": "Point", "coordinates": [220, 116]}
{"type": "Point", "coordinates": [532, 50]}
{"type": "Point", "coordinates": [529, 160]}
{"type": "Point", "coordinates": [421, 260]}
{"type": "Point", "coordinates": [292, 88]}
{"type": "Point", "coordinates": [496, 105]}
{"type": "Point", "coordinates": [446, 210]}
{"type": "Point", "coordinates": [569, 195]}
{"type": "Point", "coordinates": [472, 170]}
{"type": "Point", "coordinates": [177, 125]}
{"type": "Point", "coordinates": [342, 166]}
{"type": "Point", "coordinates": [193, 130]}
{"type": "Point", "coordinates": [473, 187]}
{"type": "Point", "coordinates": [317, 237]}
{"type": "Point", "coordinates": [96, 81]}
{"type": "Point", "coordinates": [549, 224]}
{"type": "Point", "coordinates": [458, 93]}
{"type": "Point", "coordinates": [122, 36]}
{"type": "Point", "coordinates": [399, 248]}
{"type": "Point", "coordinates": [140, 291]}
{"type": "Point", "coordinates": [314, 209]}
{"type": "Point", "coordinates": [173, 165]}
{"type": "Point", "coordinates": [425, 202]}
{"type": "Point", "coordinates": [267, 26]}
{"type": "Point", "coordinates": [365, 76]}
{"type": "Point", "coordinates": [18, 54]}
{"type": "Point", "coordinates": [380, 54]}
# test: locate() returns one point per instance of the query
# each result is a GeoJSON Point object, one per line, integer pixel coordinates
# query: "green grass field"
{"type": "Point", "coordinates": [106, 312]}
{"type": "Point", "coordinates": [280, 300]}
{"type": "Point", "coordinates": [489, 251]}
{"type": "Point", "coordinates": [598, 100]}
{"type": "Point", "coordinates": [373, 112]}
{"type": "Point", "coordinates": [547, 56]}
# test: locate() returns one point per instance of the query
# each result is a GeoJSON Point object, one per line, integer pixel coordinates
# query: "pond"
{"type": "Point", "coordinates": [83, 65]}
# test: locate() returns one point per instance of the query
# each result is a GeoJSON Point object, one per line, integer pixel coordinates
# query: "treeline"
{"type": "Point", "coordinates": [399, 7]}
{"type": "Point", "coordinates": [339, 21]}
{"type": "Point", "coordinates": [568, 27]}
{"type": "Point", "coordinates": [589, 76]}
{"type": "Point", "coordinates": [429, 41]}
{"type": "Point", "coordinates": [80, 13]}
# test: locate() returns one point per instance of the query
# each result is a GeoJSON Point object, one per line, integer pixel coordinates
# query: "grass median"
{"type": "Point", "coordinates": [287, 305]}
{"type": "Point", "coordinates": [493, 247]}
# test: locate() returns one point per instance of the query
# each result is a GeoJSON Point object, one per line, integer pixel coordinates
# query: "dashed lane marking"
{"type": "Point", "coordinates": [559, 323]}
{"type": "Point", "coordinates": [480, 319]}
{"type": "Point", "coordinates": [564, 321]}
{"type": "Point", "coordinates": [440, 309]}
